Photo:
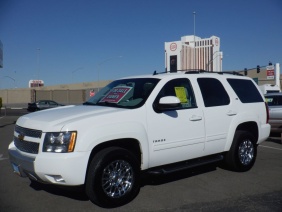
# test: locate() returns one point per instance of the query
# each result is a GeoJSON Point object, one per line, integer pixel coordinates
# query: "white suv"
{"type": "Point", "coordinates": [156, 124]}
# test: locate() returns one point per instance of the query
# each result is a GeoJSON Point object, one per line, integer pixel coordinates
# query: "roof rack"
{"type": "Point", "coordinates": [231, 72]}
{"type": "Point", "coordinates": [194, 71]}
{"type": "Point", "coordinates": [223, 72]}
{"type": "Point", "coordinates": [156, 73]}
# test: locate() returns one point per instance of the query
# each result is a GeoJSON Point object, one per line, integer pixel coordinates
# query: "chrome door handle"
{"type": "Point", "coordinates": [195, 118]}
{"type": "Point", "coordinates": [231, 113]}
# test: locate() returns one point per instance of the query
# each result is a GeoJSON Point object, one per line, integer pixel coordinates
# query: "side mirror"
{"type": "Point", "coordinates": [168, 103]}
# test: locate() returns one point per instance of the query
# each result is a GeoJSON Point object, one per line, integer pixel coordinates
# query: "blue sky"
{"type": "Point", "coordinates": [126, 37]}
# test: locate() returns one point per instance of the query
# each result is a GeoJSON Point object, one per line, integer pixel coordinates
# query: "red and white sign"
{"type": "Point", "coordinates": [35, 83]}
{"type": "Point", "coordinates": [92, 93]}
{"type": "Point", "coordinates": [116, 94]}
{"type": "Point", "coordinates": [173, 46]}
{"type": "Point", "coordinates": [270, 72]}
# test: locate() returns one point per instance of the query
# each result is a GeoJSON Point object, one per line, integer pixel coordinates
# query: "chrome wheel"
{"type": "Point", "coordinates": [246, 152]}
{"type": "Point", "coordinates": [117, 178]}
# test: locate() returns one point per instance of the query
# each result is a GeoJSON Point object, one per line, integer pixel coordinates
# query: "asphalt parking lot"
{"type": "Point", "coordinates": [209, 188]}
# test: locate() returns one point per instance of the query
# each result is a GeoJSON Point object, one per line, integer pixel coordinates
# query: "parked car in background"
{"type": "Point", "coordinates": [274, 101]}
{"type": "Point", "coordinates": [42, 104]}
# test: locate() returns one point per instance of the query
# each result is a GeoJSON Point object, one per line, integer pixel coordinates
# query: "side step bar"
{"type": "Point", "coordinates": [185, 165]}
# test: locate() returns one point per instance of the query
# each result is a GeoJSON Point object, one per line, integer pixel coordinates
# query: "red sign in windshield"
{"type": "Point", "coordinates": [116, 94]}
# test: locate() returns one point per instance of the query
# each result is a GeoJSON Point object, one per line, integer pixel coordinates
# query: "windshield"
{"type": "Point", "coordinates": [124, 93]}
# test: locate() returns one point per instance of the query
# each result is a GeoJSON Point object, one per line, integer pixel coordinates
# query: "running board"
{"type": "Point", "coordinates": [185, 165]}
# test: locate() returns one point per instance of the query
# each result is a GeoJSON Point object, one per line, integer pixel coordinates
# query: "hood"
{"type": "Point", "coordinates": [57, 118]}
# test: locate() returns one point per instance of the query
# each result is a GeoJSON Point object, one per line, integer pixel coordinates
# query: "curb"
{"type": "Point", "coordinates": [13, 108]}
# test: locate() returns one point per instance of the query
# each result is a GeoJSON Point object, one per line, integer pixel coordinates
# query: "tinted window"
{"type": "Point", "coordinates": [213, 92]}
{"type": "Point", "coordinates": [42, 103]}
{"type": "Point", "coordinates": [180, 88]}
{"type": "Point", "coordinates": [245, 90]}
{"type": "Point", "coordinates": [274, 100]}
{"type": "Point", "coordinates": [52, 103]}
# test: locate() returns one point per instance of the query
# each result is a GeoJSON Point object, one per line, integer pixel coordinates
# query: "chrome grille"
{"type": "Point", "coordinates": [26, 146]}
{"type": "Point", "coordinates": [28, 132]}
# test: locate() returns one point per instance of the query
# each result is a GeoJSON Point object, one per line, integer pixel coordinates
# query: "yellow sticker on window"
{"type": "Point", "coordinates": [181, 94]}
{"type": "Point", "coordinates": [269, 99]}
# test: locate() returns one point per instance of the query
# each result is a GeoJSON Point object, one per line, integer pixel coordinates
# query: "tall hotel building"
{"type": "Point", "coordinates": [193, 53]}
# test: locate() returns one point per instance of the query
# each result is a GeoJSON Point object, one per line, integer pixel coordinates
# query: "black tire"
{"type": "Point", "coordinates": [112, 178]}
{"type": "Point", "coordinates": [242, 154]}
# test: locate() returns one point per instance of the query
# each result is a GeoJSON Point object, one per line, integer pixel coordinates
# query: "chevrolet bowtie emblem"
{"type": "Point", "coordinates": [21, 137]}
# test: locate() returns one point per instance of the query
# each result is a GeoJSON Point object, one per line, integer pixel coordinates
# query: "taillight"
{"type": "Point", "coordinates": [267, 112]}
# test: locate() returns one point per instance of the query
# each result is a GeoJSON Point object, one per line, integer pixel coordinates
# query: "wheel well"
{"type": "Point", "coordinates": [250, 127]}
{"type": "Point", "coordinates": [129, 144]}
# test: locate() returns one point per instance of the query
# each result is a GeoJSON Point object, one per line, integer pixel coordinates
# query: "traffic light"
{"type": "Point", "coordinates": [245, 70]}
{"type": "Point", "coordinates": [258, 69]}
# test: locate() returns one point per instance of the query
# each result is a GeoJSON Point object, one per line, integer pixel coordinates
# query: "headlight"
{"type": "Point", "coordinates": [60, 142]}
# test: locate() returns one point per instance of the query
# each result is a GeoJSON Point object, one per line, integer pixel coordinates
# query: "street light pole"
{"type": "Point", "coordinates": [98, 68]}
{"type": "Point", "coordinates": [208, 63]}
{"type": "Point", "coordinates": [12, 79]}
{"type": "Point", "coordinates": [74, 72]}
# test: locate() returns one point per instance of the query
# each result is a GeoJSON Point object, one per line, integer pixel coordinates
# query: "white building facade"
{"type": "Point", "coordinates": [193, 53]}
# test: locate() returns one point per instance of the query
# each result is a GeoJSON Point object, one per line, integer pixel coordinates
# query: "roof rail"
{"type": "Point", "coordinates": [193, 71]}
{"type": "Point", "coordinates": [156, 73]}
{"type": "Point", "coordinates": [211, 72]}
{"type": "Point", "coordinates": [231, 72]}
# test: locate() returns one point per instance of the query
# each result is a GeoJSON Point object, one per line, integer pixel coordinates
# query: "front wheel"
{"type": "Point", "coordinates": [242, 154]}
{"type": "Point", "coordinates": [113, 177]}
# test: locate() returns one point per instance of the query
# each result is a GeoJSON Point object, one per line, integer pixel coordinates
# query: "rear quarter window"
{"type": "Point", "coordinates": [246, 91]}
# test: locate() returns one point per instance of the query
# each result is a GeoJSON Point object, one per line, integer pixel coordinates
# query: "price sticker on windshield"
{"type": "Point", "coordinates": [116, 94]}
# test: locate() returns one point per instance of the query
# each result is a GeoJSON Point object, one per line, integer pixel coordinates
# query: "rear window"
{"type": "Point", "coordinates": [274, 100]}
{"type": "Point", "coordinates": [245, 90]}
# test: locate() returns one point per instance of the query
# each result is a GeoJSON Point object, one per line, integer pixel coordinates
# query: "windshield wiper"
{"type": "Point", "coordinates": [88, 103]}
{"type": "Point", "coordinates": [107, 103]}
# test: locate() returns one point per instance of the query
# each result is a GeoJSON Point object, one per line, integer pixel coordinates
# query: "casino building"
{"type": "Point", "coordinates": [193, 53]}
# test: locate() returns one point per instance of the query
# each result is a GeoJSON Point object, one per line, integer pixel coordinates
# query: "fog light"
{"type": "Point", "coordinates": [58, 178]}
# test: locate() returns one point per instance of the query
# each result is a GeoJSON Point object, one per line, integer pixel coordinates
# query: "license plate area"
{"type": "Point", "coordinates": [16, 169]}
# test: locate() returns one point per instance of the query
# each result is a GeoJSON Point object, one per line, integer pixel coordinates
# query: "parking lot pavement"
{"type": "Point", "coordinates": [208, 188]}
{"type": "Point", "coordinates": [13, 112]}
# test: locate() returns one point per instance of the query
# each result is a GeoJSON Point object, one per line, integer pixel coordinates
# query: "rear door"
{"type": "Point", "coordinates": [218, 113]}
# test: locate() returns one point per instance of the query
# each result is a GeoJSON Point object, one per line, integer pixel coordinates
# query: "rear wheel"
{"type": "Point", "coordinates": [242, 154]}
{"type": "Point", "coordinates": [113, 177]}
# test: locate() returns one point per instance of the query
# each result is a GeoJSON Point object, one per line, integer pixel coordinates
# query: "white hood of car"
{"type": "Point", "coordinates": [57, 118]}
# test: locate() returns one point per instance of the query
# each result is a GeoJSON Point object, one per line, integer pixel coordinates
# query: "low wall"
{"type": "Point", "coordinates": [15, 97]}
{"type": "Point", "coordinates": [64, 94]}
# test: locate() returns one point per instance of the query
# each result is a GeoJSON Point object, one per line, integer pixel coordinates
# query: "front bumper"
{"type": "Point", "coordinates": [56, 168]}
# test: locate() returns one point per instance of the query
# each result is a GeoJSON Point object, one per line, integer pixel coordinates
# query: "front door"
{"type": "Point", "coordinates": [176, 134]}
